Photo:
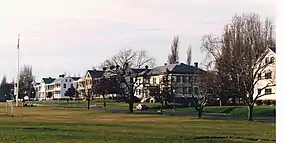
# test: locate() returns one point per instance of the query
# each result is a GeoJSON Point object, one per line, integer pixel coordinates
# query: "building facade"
{"type": "Point", "coordinates": [54, 88]}
{"type": "Point", "coordinates": [267, 77]}
{"type": "Point", "coordinates": [180, 76]}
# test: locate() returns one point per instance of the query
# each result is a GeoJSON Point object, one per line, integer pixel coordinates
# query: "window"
{"type": "Point", "coordinates": [178, 78]}
{"type": "Point", "coordinates": [184, 79]}
{"type": "Point", "coordinates": [69, 80]}
{"type": "Point", "coordinates": [272, 59]}
{"type": "Point", "coordinates": [154, 80]}
{"type": "Point", "coordinates": [64, 85]}
{"type": "Point", "coordinates": [259, 76]}
{"type": "Point", "coordinates": [195, 90]}
{"type": "Point", "coordinates": [259, 91]}
{"type": "Point", "coordinates": [268, 75]}
{"type": "Point", "coordinates": [147, 80]}
{"type": "Point", "coordinates": [189, 79]}
{"type": "Point", "coordinates": [71, 85]}
{"type": "Point", "coordinates": [267, 60]}
{"type": "Point", "coordinates": [66, 80]}
{"type": "Point", "coordinates": [184, 90]}
{"type": "Point", "coordinates": [268, 91]}
{"type": "Point", "coordinates": [173, 79]}
{"type": "Point", "coordinates": [189, 90]}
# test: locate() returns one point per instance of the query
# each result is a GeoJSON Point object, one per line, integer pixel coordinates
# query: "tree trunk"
{"type": "Point", "coordinates": [250, 111]}
{"type": "Point", "coordinates": [104, 101]}
{"type": "Point", "coordinates": [234, 100]}
{"type": "Point", "coordinates": [200, 111]}
{"type": "Point", "coordinates": [162, 107]}
{"type": "Point", "coordinates": [130, 107]}
{"type": "Point", "coordinates": [89, 102]}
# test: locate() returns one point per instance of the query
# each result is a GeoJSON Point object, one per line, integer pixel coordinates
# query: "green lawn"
{"type": "Point", "coordinates": [70, 125]}
{"type": "Point", "coordinates": [259, 111]}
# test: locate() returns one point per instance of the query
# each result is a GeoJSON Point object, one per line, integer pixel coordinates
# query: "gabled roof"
{"type": "Point", "coordinates": [179, 68]}
{"type": "Point", "coordinates": [75, 78]}
{"type": "Point", "coordinates": [48, 80]}
{"type": "Point", "coordinates": [95, 73]}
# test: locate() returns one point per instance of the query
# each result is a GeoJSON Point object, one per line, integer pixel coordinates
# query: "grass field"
{"type": "Point", "coordinates": [70, 125]}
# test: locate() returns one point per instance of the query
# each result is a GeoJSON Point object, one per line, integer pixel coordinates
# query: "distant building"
{"type": "Point", "coordinates": [267, 77]}
{"type": "Point", "coordinates": [180, 79]}
{"type": "Point", "coordinates": [85, 84]}
{"type": "Point", "coordinates": [54, 88]}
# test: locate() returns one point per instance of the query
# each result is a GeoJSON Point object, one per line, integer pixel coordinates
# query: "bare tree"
{"type": "Point", "coordinates": [204, 88]}
{"type": "Point", "coordinates": [188, 55]}
{"type": "Point", "coordinates": [126, 67]}
{"type": "Point", "coordinates": [239, 54]}
{"type": "Point", "coordinates": [133, 59]}
{"type": "Point", "coordinates": [174, 55]}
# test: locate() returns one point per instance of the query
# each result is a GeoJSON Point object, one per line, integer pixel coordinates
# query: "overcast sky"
{"type": "Point", "coordinates": [71, 36]}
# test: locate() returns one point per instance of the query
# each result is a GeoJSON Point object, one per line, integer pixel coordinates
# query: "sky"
{"type": "Point", "coordinates": [60, 36]}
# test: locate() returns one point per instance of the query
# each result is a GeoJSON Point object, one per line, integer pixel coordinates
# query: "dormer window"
{"type": "Point", "coordinates": [267, 60]}
{"type": "Point", "coordinates": [268, 75]}
{"type": "Point", "coordinates": [272, 59]}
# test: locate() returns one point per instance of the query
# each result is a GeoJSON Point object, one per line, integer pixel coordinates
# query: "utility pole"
{"type": "Point", "coordinates": [18, 73]}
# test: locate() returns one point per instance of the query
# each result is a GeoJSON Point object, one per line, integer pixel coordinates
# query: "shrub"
{"type": "Point", "coordinates": [258, 102]}
{"type": "Point", "coordinates": [266, 102]}
{"type": "Point", "coordinates": [273, 102]}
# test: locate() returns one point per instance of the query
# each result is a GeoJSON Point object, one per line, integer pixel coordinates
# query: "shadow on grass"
{"type": "Point", "coordinates": [232, 137]}
{"type": "Point", "coordinates": [49, 129]}
{"type": "Point", "coordinates": [209, 116]}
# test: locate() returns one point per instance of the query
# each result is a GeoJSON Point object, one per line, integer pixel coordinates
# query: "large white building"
{"type": "Point", "coordinates": [267, 78]}
{"type": "Point", "coordinates": [54, 88]}
{"type": "Point", "coordinates": [181, 77]}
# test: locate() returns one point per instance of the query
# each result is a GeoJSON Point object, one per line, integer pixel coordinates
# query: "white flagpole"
{"type": "Point", "coordinates": [18, 73]}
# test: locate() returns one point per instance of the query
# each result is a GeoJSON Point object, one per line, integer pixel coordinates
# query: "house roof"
{"type": "Point", "coordinates": [273, 49]}
{"type": "Point", "coordinates": [95, 73]}
{"type": "Point", "coordinates": [179, 68]}
{"type": "Point", "coordinates": [75, 78]}
{"type": "Point", "coordinates": [48, 80]}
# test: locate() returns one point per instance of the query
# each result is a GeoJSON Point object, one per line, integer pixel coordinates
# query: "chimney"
{"type": "Point", "coordinates": [146, 67]}
{"type": "Point", "coordinates": [165, 64]}
{"type": "Point", "coordinates": [196, 64]}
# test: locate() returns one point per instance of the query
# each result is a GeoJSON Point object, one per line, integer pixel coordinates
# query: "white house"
{"type": "Point", "coordinates": [41, 88]}
{"type": "Point", "coordinates": [267, 78]}
{"type": "Point", "coordinates": [54, 88]}
{"type": "Point", "coordinates": [180, 77]}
